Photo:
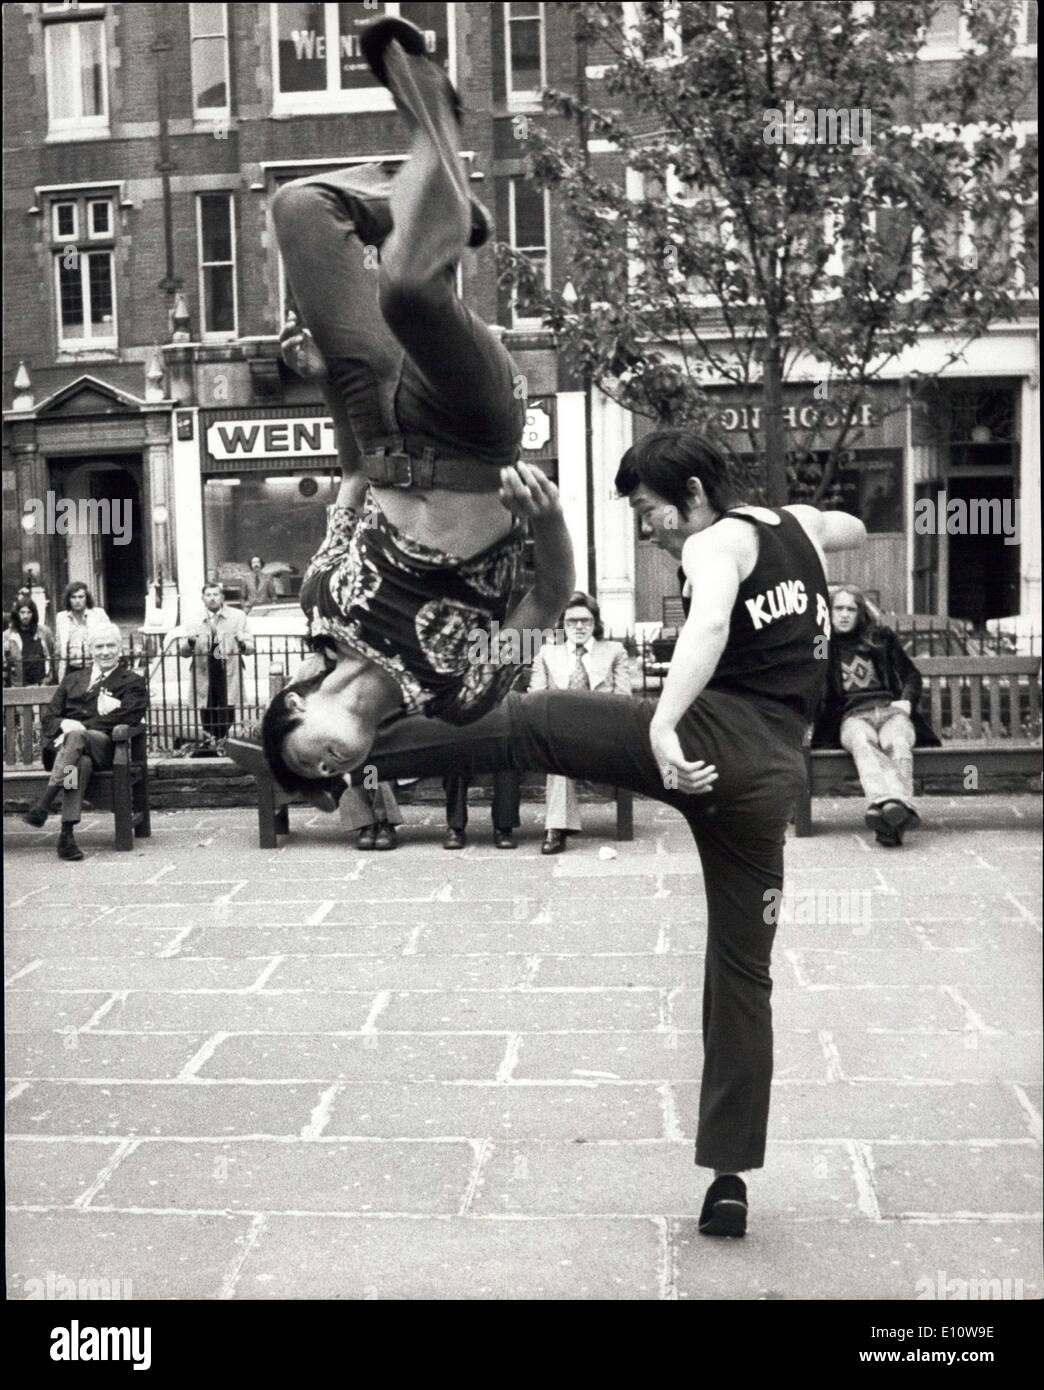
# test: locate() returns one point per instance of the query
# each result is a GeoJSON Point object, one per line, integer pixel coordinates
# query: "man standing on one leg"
{"type": "Point", "coordinates": [77, 729]}
{"type": "Point", "coordinates": [723, 746]}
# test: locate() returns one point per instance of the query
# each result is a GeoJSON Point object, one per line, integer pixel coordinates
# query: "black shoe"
{"type": "Point", "coordinates": [504, 839]}
{"type": "Point", "coordinates": [890, 836]}
{"type": "Point", "coordinates": [36, 816]}
{"type": "Point", "coordinates": [455, 839]}
{"type": "Point", "coordinates": [897, 814]}
{"type": "Point", "coordinates": [725, 1207]}
{"type": "Point", "coordinates": [67, 846]}
{"type": "Point", "coordinates": [385, 837]}
{"type": "Point", "coordinates": [554, 842]}
{"type": "Point", "coordinates": [366, 837]}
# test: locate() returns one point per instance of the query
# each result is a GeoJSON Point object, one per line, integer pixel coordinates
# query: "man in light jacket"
{"type": "Point", "coordinates": [585, 661]}
{"type": "Point", "coordinates": [217, 645]}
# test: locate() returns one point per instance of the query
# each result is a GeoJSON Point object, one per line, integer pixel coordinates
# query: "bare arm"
{"type": "Point", "coordinates": [528, 493]}
{"type": "Point", "coordinates": [830, 530]}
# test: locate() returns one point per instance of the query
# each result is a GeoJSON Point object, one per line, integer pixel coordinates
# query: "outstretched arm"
{"type": "Point", "coordinates": [530, 495]}
{"type": "Point", "coordinates": [831, 530]}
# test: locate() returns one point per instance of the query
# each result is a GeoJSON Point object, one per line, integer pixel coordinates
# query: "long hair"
{"type": "Point", "coordinates": [579, 599]}
{"type": "Point", "coordinates": [74, 588]}
{"type": "Point", "coordinates": [16, 626]}
{"type": "Point", "coordinates": [868, 626]}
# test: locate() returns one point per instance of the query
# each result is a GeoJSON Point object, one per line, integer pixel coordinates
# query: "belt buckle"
{"type": "Point", "coordinates": [400, 456]}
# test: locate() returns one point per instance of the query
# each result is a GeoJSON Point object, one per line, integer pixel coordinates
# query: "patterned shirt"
{"type": "Point", "coordinates": [421, 615]}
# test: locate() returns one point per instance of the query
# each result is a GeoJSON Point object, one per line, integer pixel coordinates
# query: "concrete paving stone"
{"type": "Point", "coordinates": [928, 907]}
{"type": "Point", "coordinates": [180, 1108]}
{"type": "Point", "coordinates": [1015, 1006]}
{"type": "Point", "coordinates": [407, 889]}
{"type": "Point", "coordinates": [866, 966]}
{"type": "Point", "coordinates": [893, 934]}
{"type": "Point", "coordinates": [177, 972]}
{"type": "Point", "coordinates": [638, 971]}
{"type": "Point", "coordinates": [316, 942]}
{"type": "Point", "coordinates": [525, 1011]}
{"type": "Point", "coordinates": [1008, 934]}
{"type": "Point", "coordinates": [138, 1256]}
{"type": "Point", "coordinates": [888, 1110]}
{"type": "Point", "coordinates": [321, 972]}
{"type": "Point", "coordinates": [152, 1012]}
{"type": "Point", "coordinates": [639, 886]}
{"type": "Point", "coordinates": [537, 937]}
{"type": "Point", "coordinates": [658, 1177]}
{"type": "Point", "coordinates": [28, 1012]}
{"type": "Point", "coordinates": [831, 1260]}
{"type": "Point", "coordinates": [655, 911]}
{"type": "Point", "coordinates": [902, 1009]}
{"type": "Point", "coordinates": [363, 911]}
{"type": "Point", "coordinates": [267, 1175]}
{"type": "Point", "coordinates": [51, 1174]}
{"type": "Point", "coordinates": [36, 916]}
{"type": "Point", "coordinates": [418, 1057]}
{"type": "Point", "coordinates": [230, 914]}
{"type": "Point", "coordinates": [946, 1180]}
{"type": "Point", "coordinates": [498, 1111]}
{"type": "Point", "coordinates": [81, 895]}
{"type": "Point", "coordinates": [123, 943]}
{"type": "Point", "coordinates": [558, 1259]}
{"type": "Point", "coordinates": [119, 1056]}
{"type": "Point", "coordinates": [967, 1056]}
{"type": "Point", "coordinates": [650, 1056]}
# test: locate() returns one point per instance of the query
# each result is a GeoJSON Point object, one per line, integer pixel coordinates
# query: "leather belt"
{"type": "Point", "coordinates": [425, 468]}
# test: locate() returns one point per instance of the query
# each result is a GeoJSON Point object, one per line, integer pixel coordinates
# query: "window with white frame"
{"type": "Point", "coordinates": [82, 242]}
{"type": "Point", "coordinates": [215, 214]}
{"type": "Point", "coordinates": [525, 60]}
{"type": "Point", "coordinates": [208, 27]}
{"type": "Point", "coordinates": [75, 63]}
{"type": "Point", "coordinates": [529, 234]}
{"type": "Point", "coordinates": [317, 61]}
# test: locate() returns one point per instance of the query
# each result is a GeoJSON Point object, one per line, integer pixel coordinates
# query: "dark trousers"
{"type": "Point", "coordinates": [217, 715]}
{"type": "Point", "coordinates": [77, 758]}
{"type": "Point", "coordinates": [405, 354]}
{"type": "Point", "coordinates": [507, 800]}
{"type": "Point", "coordinates": [739, 831]}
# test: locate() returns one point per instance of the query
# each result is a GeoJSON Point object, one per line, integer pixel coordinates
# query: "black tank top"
{"type": "Point", "coordinates": [781, 609]}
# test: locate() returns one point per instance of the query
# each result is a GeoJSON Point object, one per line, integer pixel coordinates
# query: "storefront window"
{"type": "Point", "coordinates": [279, 516]}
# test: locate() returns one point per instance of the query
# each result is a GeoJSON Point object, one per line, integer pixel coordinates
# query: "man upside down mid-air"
{"type": "Point", "coordinates": [723, 745]}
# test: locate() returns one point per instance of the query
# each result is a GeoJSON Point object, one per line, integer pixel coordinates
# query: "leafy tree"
{"type": "Point", "coordinates": [808, 192]}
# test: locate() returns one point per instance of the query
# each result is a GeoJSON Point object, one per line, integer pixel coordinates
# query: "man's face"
{"type": "Point", "coordinates": [105, 650]}
{"type": "Point", "coordinates": [579, 624]}
{"type": "Point", "coordinates": [327, 741]}
{"type": "Point", "coordinates": [662, 521]}
{"type": "Point", "coordinates": [213, 598]}
{"type": "Point", "coordinates": [25, 616]}
{"type": "Point", "coordinates": [255, 564]}
{"type": "Point", "coordinates": [78, 600]}
{"type": "Point", "coordinates": [844, 613]}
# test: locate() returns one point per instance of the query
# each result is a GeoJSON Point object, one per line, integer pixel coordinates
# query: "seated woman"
{"type": "Point", "coordinates": [870, 708]}
{"type": "Point", "coordinates": [28, 647]}
{"type": "Point", "coordinates": [424, 541]}
{"type": "Point", "coordinates": [585, 662]}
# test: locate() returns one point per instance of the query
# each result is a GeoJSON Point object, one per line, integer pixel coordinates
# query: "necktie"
{"type": "Point", "coordinates": [578, 679]}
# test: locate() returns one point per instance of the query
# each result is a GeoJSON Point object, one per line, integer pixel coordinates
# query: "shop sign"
{"type": "Point", "coordinates": [537, 429]}
{"type": "Point", "coordinates": [805, 417]}
{"type": "Point", "coordinates": [282, 438]}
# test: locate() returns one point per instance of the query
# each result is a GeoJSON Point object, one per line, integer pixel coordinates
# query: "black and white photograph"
{"type": "Point", "coordinates": [522, 651]}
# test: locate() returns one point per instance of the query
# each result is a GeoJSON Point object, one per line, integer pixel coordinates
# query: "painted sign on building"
{"type": "Point", "coordinates": [289, 438]}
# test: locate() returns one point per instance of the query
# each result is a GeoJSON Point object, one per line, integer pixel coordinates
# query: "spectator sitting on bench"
{"type": "Point", "coordinates": [77, 730]}
{"type": "Point", "coordinates": [870, 709]}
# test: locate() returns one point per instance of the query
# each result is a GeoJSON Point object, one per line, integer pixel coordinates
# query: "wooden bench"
{"type": "Point", "coordinates": [124, 790]}
{"type": "Point", "coordinates": [986, 709]}
{"type": "Point", "coordinates": [273, 804]}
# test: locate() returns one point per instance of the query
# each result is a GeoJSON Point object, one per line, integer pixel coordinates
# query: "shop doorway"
{"type": "Point", "coordinates": [983, 568]}
{"type": "Point", "coordinates": [105, 548]}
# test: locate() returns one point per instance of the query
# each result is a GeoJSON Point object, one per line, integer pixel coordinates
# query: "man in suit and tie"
{"type": "Point", "coordinates": [77, 731]}
{"type": "Point", "coordinates": [585, 662]}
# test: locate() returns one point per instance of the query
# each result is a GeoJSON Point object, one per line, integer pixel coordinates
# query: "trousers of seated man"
{"type": "Point", "coordinates": [82, 753]}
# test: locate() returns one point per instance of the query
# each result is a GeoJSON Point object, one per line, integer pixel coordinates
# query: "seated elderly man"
{"type": "Point", "coordinates": [77, 731]}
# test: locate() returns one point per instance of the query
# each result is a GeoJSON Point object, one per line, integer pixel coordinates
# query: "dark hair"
{"type": "Point", "coordinates": [666, 459]}
{"type": "Point", "coordinates": [213, 584]}
{"type": "Point", "coordinates": [253, 558]}
{"type": "Point", "coordinates": [280, 720]}
{"type": "Point", "coordinates": [74, 588]}
{"type": "Point", "coordinates": [581, 600]}
{"type": "Point", "coordinates": [866, 625]}
{"type": "Point", "coordinates": [18, 606]}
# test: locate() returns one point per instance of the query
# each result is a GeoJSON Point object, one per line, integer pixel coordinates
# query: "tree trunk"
{"type": "Point", "coordinates": [775, 430]}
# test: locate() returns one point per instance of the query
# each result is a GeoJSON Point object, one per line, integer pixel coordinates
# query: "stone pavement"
{"type": "Point", "coordinates": [313, 1073]}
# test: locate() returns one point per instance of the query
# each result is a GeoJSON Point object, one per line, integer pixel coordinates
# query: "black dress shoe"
{"type": "Point", "coordinates": [385, 837]}
{"type": "Point", "coordinates": [366, 837]}
{"type": "Point", "coordinates": [67, 846]}
{"type": "Point", "coordinates": [504, 839]}
{"type": "Point", "coordinates": [725, 1207]}
{"type": "Point", "coordinates": [36, 816]}
{"type": "Point", "coordinates": [890, 836]}
{"type": "Point", "coordinates": [455, 839]}
{"type": "Point", "coordinates": [554, 842]}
